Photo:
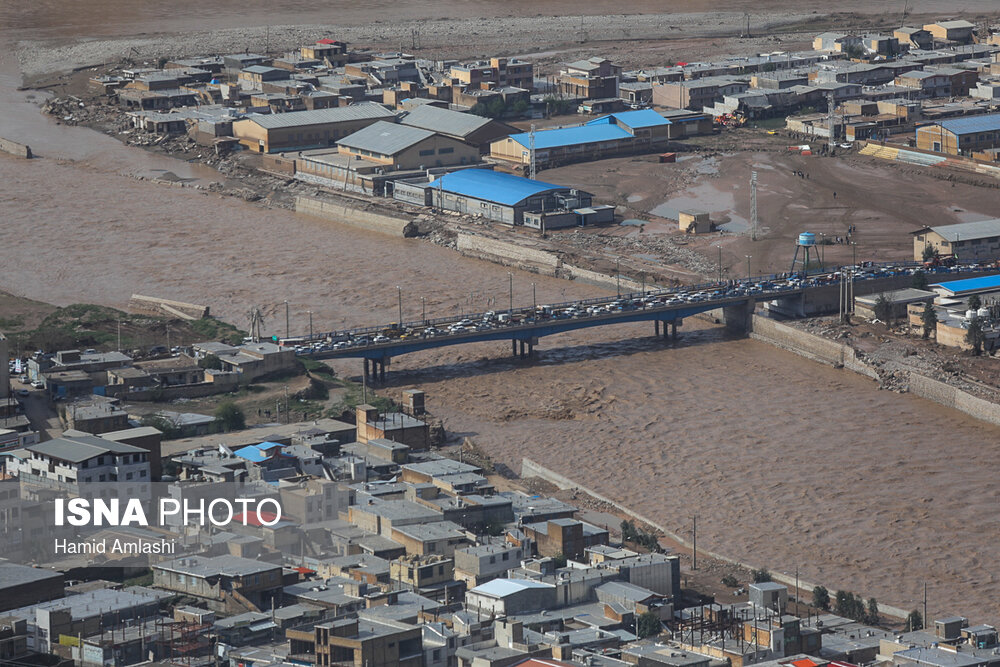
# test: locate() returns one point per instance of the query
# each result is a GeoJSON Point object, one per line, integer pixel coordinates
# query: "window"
{"type": "Point", "coordinates": [493, 559]}
{"type": "Point", "coordinates": [142, 473]}
{"type": "Point", "coordinates": [88, 480]}
{"type": "Point", "coordinates": [440, 569]}
{"type": "Point", "coordinates": [102, 478]}
{"type": "Point", "coordinates": [424, 153]}
{"type": "Point", "coordinates": [506, 555]}
{"type": "Point", "coordinates": [445, 151]}
{"type": "Point", "coordinates": [128, 476]}
{"type": "Point", "coordinates": [437, 654]}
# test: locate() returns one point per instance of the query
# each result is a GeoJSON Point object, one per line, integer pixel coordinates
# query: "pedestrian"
{"type": "Point", "coordinates": [835, 194]}
{"type": "Point", "coordinates": [807, 175]}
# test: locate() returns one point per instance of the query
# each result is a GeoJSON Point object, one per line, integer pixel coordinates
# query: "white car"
{"type": "Point", "coordinates": [380, 339]}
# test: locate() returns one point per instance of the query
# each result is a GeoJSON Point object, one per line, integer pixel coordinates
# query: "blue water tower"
{"type": "Point", "coordinates": [807, 254]}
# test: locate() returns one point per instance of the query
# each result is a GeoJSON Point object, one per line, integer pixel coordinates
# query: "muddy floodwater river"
{"type": "Point", "coordinates": [786, 463]}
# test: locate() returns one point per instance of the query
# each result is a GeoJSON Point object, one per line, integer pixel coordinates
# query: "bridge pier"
{"type": "Point", "coordinates": [738, 317]}
{"type": "Point", "coordinates": [656, 327]}
{"type": "Point", "coordinates": [673, 330]}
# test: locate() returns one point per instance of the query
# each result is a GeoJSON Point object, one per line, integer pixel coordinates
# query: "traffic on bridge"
{"type": "Point", "coordinates": [523, 326]}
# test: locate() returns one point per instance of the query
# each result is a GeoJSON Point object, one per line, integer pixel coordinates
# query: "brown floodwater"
{"type": "Point", "coordinates": [785, 462]}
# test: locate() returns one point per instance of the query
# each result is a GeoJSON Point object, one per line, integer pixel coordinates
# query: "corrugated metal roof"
{"type": "Point", "coordinates": [492, 186]}
{"type": "Point", "coordinates": [385, 138]}
{"type": "Point", "coordinates": [634, 119]}
{"type": "Point", "coordinates": [572, 136]}
{"type": "Point", "coordinates": [358, 111]}
{"type": "Point", "coordinates": [504, 587]}
{"type": "Point", "coordinates": [970, 284]}
{"type": "Point", "coordinates": [973, 124]}
{"type": "Point", "coordinates": [445, 121]}
{"type": "Point", "coordinates": [967, 231]}
{"type": "Point", "coordinates": [81, 448]}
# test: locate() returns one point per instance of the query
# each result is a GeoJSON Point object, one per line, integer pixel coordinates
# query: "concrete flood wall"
{"type": "Point", "coordinates": [377, 222]}
{"type": "Point", "coordinates": [15, 149]}
{"type": "Point", "coordinates": [531, 468]}
{"type": "Point", "coordinates": [953, 397]}
{"type": "Point", "coordinates": [835, 354]}
{"type": "Point", "coordinates": [508, 254]}
{"type": "Point", "coordinates": [809, 346]}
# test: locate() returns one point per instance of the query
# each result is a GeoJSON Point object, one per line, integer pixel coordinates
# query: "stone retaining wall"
{"type": "Point", "coordinates": [508, 254]}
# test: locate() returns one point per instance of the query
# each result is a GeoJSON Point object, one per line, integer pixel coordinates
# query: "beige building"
{"type": "Point", "coordinates": [401, 147]}
{"type": "Point", "coordinates": [301, 130]}
{"type": "Point", "coordinates": [694, 221]}
{"type": "Point", "coordinates": [967, 241]}
{"type": "Point", "coordinates": [952, 31]}
{"type": "Point", "coordinates": [497, 71]}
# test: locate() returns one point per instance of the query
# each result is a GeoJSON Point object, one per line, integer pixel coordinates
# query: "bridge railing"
{"type": "Point", "coordinates": [877, 267]}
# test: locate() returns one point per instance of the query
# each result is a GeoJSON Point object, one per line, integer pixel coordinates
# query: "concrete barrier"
{"type": "Point", "coordinates": [530, 468]}
{"type": "Point", "coordinates": [508, 254]}
{"type": "Point", "coordinates": [602, 279]}
{"type": "Point", "coordinates": [16, 149]}
{"type": "Point", "coordinates": [377, 222]}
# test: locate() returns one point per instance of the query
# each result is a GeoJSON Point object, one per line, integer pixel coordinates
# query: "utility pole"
{"type": "Point", "coordinates": [399, 301]}
{"type": "Point", "coordinates": [310, 324]}
{"type": "Point", "coordinates": [694, 543]}
{"type": "Point", "coordinates": [618, 275]}
{"type": "Point", "coordinates": [119, 335]}
{"type": "Point", "coordinates": [423, 309]}
{"type": "Point", "coordinates": [754, 232]}
{"type": "Point", "coordinates": [531, 153]}
{"type": "Point", "coordinates": [287, 328]}
{"type": "Point", "coordinates": [534, 302]}
{"type": "Point", "coordinates": [925, 604]}
{"type": "Point", "coordinates": [748, 267]}
{"type": "Point", "coordinates": [796, 590]}
{"type": "Point", "coordinates": [720, 263]}
{"type": "Point", "coordinates": [831, 106]}
{"type": "Point", "coordinates": [510, 294]}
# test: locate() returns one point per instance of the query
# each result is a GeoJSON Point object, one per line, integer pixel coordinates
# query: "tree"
{"type": "Point", "coordinates": [761, 576]}
{"type": "Point", "coordinates": [919, 280]}
{"type": "Point", "coordinates": [821, 598]}
{"type": "Point", "coordinates": [162, 424]}
{"type": "Point", "coordinates": [930, 252]}
{"type": "Point", "coordinates": [914, 621]}
{"type": "Point", "coordinates": [872, 611]}
{"type": "Point", "coordinates": [929, 319]}
{"type": "Point", "coordinates": [210, 361]}
{"type": "Point", "coordinates": [729, 581]}
{"type": "Point", "coordinates": [883, 308]}
{"type": "Point", "coordinates": [975, 303]}
{"type": "Point", "coordinates": [560, 560]}
{"type": "Point", "coordinates": [649, 624]}
{"type": "Point", "coordinates": [974, 335]}
{"type": "Point", "coordinates": [230, 416]}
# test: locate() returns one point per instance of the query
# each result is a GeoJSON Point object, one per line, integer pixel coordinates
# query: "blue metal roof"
{"type": "Point", "coordinates": [971, 284]}
{"type": "Point", "coordinates": [973, 124]}
{"type": "Point", "coordinates": [257, 453]}
{"type": "Point", "coordinates": [492, 186]}
{"type": "Point", "coordinates": [635, 119]}
{"type": "Point", "coordinates": [572, 136]}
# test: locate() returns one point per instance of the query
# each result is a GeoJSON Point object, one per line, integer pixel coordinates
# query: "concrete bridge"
{"type": "Point", "coordinates": [731, 303]}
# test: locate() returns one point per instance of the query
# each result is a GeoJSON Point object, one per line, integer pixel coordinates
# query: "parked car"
{"type": "Point", "coordinates": [37, 384]}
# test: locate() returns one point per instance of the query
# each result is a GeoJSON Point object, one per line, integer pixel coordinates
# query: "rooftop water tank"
{"type": "Point", "coordinates": [807, 239]}
{"type": "Point", "coordinates": [983, 313]}
{"type": "Point", "coordinates": [969, 314]}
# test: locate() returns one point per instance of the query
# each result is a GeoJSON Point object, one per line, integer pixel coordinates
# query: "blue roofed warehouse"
{"type": "Point", "coordinates": [502, 197]}
{"type": "Point", "coordinates": [625, 133]}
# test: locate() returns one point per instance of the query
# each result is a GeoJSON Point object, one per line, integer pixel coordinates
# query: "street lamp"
{"type": "Point", "coordinates": [534, 301]}
{"type": "Point", "coordinates": [748, 267]}
{"type": "Point", "coordinates": [720, 263]}
{"type": "Point", "coordinates": [618, 275]}
{"type": "Point", "coordinates": [423, 309]}
{"type": "Point", "coordinates": [510, 293]}
{"type": "Point", "coordinates": [310, 324]}
{"type": "Point", "coordinates": [822, 250]}
{"type": "Point", "coordinates": [399, 301]}
{"type": "Point", "coordinates": [287, 334]}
